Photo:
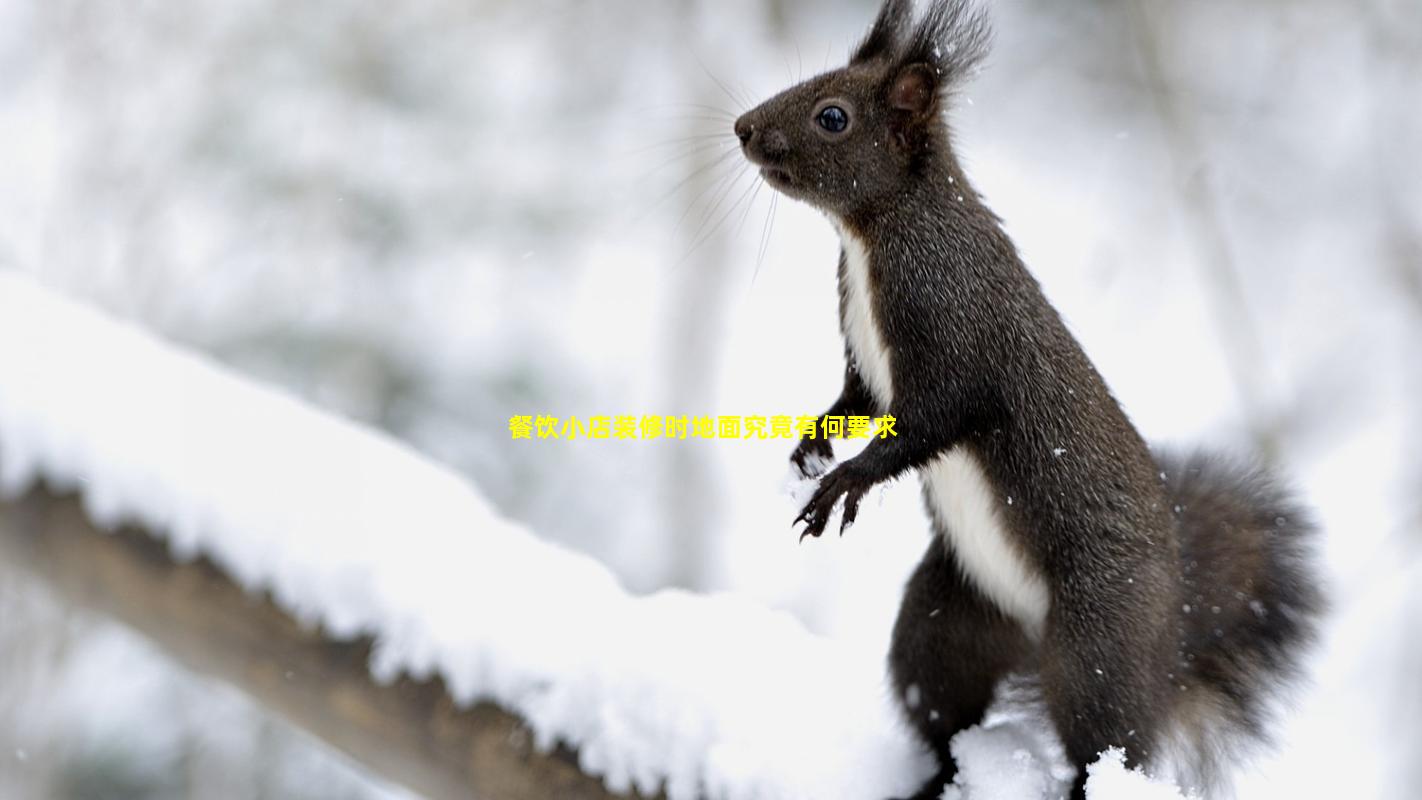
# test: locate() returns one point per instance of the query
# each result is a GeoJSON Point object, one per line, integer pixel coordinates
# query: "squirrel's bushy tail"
{"type": "Point", "coordinates": [1250, 605]}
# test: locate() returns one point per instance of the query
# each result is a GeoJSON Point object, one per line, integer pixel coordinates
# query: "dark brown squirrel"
{"type": "Point", "coordinates": [1160, 600]}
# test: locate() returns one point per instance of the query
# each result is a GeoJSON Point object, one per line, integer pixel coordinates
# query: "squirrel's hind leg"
{"type": "Point", "coordinates": [1106, 669]}
{"type": "Point", "coordinates": [950, 648]}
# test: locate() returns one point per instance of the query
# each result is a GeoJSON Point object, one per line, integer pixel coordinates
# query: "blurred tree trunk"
{"type": "Point", "coordinates": [696, 319]}
{"type": "Point", "coordinates": [1185, 145]}
{"type": "Point", "coordinates": [714, 207]}
{"type": "Point", "coordinates": [696, 322]}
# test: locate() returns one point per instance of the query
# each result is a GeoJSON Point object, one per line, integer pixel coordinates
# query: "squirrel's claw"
{"type": "Point", "coordinates": [841, 482]}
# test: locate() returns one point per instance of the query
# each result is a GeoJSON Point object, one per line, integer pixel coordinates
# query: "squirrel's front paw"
{"type": "Point", "coordinates": [846, 481]}
{"type": "Point", "coordinates": [812, 457]}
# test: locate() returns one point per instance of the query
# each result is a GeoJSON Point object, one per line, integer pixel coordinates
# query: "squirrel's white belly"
{"type": "Point", "coordinates": [961, 499]}
{"type": "Point", "coordinates": [969, 513]}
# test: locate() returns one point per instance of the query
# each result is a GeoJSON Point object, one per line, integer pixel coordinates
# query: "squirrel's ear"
{"type": "Point", "coordinates": [913, 101]}
{"type": "Point", "coordinates": [915, 91]}
{"type": "Point", "coordinates": [887, 31]}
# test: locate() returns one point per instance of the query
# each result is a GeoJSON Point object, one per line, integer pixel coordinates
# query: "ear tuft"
{"type": "Point", "coordinates": [915, 90]}
{"type": "Point", "coordinates": [887, 32]}
{"type": "Point", "coordinates": [952, 38]}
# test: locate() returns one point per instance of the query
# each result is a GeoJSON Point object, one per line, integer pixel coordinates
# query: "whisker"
{"type": "Point", "coordinates": [706, 198]}
{"type": "Point", "coordinates": [697, 140]}
{"type": "Point", "coordinates": [656, 111]}
{"type": "Point", "coordinates": [721, 220]}
{"type": "Point", "coordinates": [717, 161]}
{"type": "Point", "coordinates": [717, 110]}
{"type": "Point", "coordinates": [718, 82]}
{"type": "Point", "coordinates": [755, 273]}
{"type": "Point", "coordinates": [716, 205]}
{"type": "Point", "coordinates": [746, 214]}
{"type": "Point", "coordinates": [765, 235]}
{"type": "Point", "coordinates": [657, 202]}
{"type": "Point", "coordinates": [707, 150]}
{"type": "Point", "coordinates": [698, 117]}
{"type": "Point", "coordinates": [748, 94]}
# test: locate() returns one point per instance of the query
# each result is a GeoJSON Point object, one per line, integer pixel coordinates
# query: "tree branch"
{"type": "Point", "coordinates": [409, 732]}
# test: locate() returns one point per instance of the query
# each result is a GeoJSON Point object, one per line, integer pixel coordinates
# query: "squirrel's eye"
{"type": "Point", "coordinates": [833, 119]}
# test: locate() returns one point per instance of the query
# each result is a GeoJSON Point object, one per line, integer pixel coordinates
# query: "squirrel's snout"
{"type": "Point", "coordinates": [761, 145]}
{"type": "Point", "coordinates": [744, 131]}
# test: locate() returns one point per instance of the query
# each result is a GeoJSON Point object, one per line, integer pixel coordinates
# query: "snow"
{"type": "Point", "coordinates": [1014, 754]}
{"type": "Point", "coordinates": [712, 696]}
{"type": "Point", "coordinates": [1109, 777]}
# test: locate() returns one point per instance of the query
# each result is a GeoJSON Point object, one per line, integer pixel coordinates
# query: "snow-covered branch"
{"type": "Point", "coordinates": [407, 731]}
{"type": "Point", "coordinates": [353, 534]}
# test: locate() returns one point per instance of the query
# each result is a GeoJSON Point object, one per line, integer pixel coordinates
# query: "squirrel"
{"type": "Point", "coordinates": [1162, 601]}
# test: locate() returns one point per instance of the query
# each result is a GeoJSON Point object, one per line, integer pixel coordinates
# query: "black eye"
{"type": "Point", "coordinates": [833, 119]}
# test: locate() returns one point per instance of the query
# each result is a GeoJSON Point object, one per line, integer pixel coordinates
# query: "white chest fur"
{"type": "Point", "coordinates": [965, 504]}
{"type": "Point", "coordinates": [861, 327]}
{"type": "Point", "coordinates": [969, 512]}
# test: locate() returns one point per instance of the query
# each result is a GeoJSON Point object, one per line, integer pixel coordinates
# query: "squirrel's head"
{"type": "Point", "coordinates": [848, 138]}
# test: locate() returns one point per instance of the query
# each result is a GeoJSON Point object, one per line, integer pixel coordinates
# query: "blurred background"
{"type": "Point", "coordinates": [430, 216]}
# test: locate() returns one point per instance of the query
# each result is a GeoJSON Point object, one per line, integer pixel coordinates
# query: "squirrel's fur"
{"type": "Point", "coordinates": [1162, 601]}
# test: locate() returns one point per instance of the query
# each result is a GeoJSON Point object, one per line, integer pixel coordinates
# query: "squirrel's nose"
{"type": "Point", "coordinates": [744, 130]}
{"type": "Point", "coordinates": [761, 142]}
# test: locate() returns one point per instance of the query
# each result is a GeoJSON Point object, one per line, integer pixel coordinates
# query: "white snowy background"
{"type": "Point", "coordinates": [428, 216]}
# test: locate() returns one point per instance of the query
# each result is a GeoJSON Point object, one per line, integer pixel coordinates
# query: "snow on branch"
{"type": "Point", "coordinates": [355, 533]}
{"type": "Point", "coordinates": [408, 732]}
